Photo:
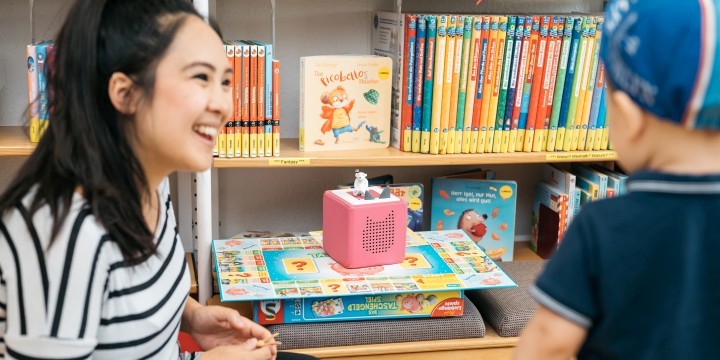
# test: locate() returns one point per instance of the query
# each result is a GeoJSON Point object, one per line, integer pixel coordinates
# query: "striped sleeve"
{"type": "Point", "coordinates": [3, 306]}
{"type": "Point", "coordinates": [54, 294]}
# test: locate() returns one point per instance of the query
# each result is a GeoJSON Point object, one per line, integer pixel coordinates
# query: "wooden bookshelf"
{"type": "Point", "coordinates": [14, 141]}
{"type": "Point", "coordinates": [292, 157]}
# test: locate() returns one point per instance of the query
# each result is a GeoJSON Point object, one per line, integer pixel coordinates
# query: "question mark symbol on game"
{"type": "Point", "coordinates": [334, 287]}
{"type": "Point", "coordinates": [411, 260]}
{"type": "Point", "coordinates": [299, 264]}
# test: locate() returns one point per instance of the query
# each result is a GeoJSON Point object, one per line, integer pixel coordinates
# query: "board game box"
{"type": "Point", "coordinates": [297, 267]}
{"type": "Point", "coordinates": [359, 307]}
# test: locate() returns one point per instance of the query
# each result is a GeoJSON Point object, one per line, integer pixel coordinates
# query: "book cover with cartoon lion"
{"type": "Point", "coordinates": [345, 102]}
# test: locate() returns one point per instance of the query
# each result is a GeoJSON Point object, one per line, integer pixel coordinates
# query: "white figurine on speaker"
{"type": "Point", "coordinates": [361, 183]}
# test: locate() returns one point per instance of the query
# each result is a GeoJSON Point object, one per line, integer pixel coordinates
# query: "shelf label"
{"type": "Point", "coordinates": [583, 156]}
{"type": "Point", "coordinates": [289, 161]}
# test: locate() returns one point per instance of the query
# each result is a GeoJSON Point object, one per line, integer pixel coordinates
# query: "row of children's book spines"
{"type": "Point", "coordinates": [39, 57]}
{"type": "Point", "coordinates": [443, 72]}
{"type": "Point", "coordinates": [254, 127]}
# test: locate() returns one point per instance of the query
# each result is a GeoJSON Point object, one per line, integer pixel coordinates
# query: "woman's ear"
{"type": "Point", "coordinates": [121, 90]}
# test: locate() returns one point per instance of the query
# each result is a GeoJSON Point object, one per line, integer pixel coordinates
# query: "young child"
{"type": "Point", "coordinates": [637, 277]}
{"type": "Point", "coordinates": [91, 265]}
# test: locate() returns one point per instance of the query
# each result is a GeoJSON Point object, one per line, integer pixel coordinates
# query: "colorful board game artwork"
{"type": "Point", "coordinates": [297, 267]}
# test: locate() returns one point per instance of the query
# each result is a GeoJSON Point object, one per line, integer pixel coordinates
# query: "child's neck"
{"type": "Point", "coordinates": [675, 150]}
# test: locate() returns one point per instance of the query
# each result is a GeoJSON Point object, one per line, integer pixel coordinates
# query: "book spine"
{"type": "Point", "coordinates": [470, 100]}
{"type": "Point", "coordinates": [515, 30]}
{"type": "Point", "coordinates": [504, 80]}
{"type": "Point", "coordinates": [528, 86]}
{"type": "Point", "coordinates": [245, 99]}
{"type": "Point", "coordinates": [261, 99]}
{"type": "Point", "coordinates": [556, 34]}
{"type": "Point", "coordinates": [253, 101]}
{"type": "Point", "coordinates": [276, 107]}
{"type": "Point", "coordinates": [560, 82]}
{"type": "Point", "coordinates": [437, 91]}
{"type": "Point", "coordinates": [237, 98]}
{"type": "Point", "coordinates": [604, 139]}
{"type": "Point", "coordinates": [480, 85]}
{"type": "Point", "coordinates": [540, 136]}
{"type": "Point", "coordinates": [488, 84]}
{"type": "Point", "coordinates": [513, 143]}
{"type": "Point", "coordinates": [418, 83]}
{"type": "Point", "coordinates": [230, 125]}
{"type": "Point", "coordinates": [462, 91]}
{"type": "Point", "coordinates": [268, 99]}
{"type": "Point", "coordinates": [600, 126]}
{"type": "Point", "coordinates": [301, 124]}
{"type": "Point", "coordinates": [595, 109]}
{"type": "Point", "coordinates": [408, 72]}
{"type": "Point", "coordinates": [563, 117]}
{"type": "Point", "coordinates": [455, 93]}
{"type": "Point", "coordinates": [577, 86]}
{"type": "Point", "coordinates": [591, 100]}
{"type": "Point", "coordinates": [428, 84]}
{"type": "Point", "coordinates": [33, 94]}
{"type": "Point", "coordinates": [537, 83]}
{"type": "Point", "coordinates": [586, 84]}
{"type": "Point", "coordinates": [496, 83]}
{"type": "Point", "coordinates": [447, 84]}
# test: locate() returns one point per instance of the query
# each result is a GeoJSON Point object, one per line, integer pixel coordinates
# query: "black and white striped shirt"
{"type": "Point", "coordinates": [77, 299]}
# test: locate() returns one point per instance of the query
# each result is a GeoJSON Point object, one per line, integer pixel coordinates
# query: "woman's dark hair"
{"type": "Point", "coordinates": [85, 144]}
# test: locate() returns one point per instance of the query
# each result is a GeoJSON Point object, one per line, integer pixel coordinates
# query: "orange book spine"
{"type": "Point", "coordinates": [538, 68]}
{"type": "Point", "coordinates": [246, 99]}
{"type": "Point", "coordinates": [479, 91]}
{"type": "Point", "coordinates": [230, 125]}
{"type": "Point", "coordinates": [237, 100]}
{"type": "Point", "coordinates": [276, 107]}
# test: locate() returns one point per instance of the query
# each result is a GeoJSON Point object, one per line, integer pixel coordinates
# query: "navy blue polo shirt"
{"type": "Point", "coordinates": [641, 272]}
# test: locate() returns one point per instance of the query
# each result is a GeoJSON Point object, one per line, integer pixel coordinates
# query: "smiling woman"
{"type": "Point", "coordinates": [91, 265]}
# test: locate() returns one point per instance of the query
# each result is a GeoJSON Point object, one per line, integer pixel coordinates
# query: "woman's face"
{"type": "Point", "coordinates": [192, 100]}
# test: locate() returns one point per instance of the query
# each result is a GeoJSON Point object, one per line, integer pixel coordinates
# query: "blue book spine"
{"type": "Point", "coordinates": [567, 92]}
{"type": "Point", "coordinates": [595, 107]}
{"type": "Point", "coordinates": [42, 80]}
{"type": "Point", "coordinates": [527, 88]}
{"type": "Point", "coordinates": [519, 32]}
{"type": "Point", "coordinates": [428, 80]}
{"type": "Point", "coordinates": [419, 71]}
{"type": "Point", "coordinates": [268, 83]}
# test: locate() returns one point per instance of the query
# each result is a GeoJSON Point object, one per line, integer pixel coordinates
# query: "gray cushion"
{"type": "Point", "coordinates": [509, 310]}
{"type": "Point", "coordinates": [347, 333]}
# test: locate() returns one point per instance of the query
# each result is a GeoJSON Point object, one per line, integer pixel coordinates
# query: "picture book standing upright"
{"type": "Point", "coordinates": [484, 209]}
{"type": "Point", "coordinates": [344, 102]}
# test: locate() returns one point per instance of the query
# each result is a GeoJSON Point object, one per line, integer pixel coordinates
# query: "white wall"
{"type": "Point", "coordinates": [276, 199]}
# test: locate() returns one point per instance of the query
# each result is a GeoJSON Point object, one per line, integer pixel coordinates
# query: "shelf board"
{"type": "Point", "coordinates": [14, 141]}
{"type": "Point", "coordinates": [292, 157]}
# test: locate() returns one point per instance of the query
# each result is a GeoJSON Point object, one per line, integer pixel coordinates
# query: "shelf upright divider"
{"type": "Point", "coordinates": [206, 193]}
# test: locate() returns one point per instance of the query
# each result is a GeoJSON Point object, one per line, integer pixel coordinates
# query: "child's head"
{"type": "Point", "coordinates": [663, 79]}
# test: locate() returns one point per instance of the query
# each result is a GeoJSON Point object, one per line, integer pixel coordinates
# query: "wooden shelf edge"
{"type": "Point", "coordinates": [490, 341]}
{"type": "Point", "coordinates": [294, 158]}
{"type": "Point", "coordinates": [14, 141]}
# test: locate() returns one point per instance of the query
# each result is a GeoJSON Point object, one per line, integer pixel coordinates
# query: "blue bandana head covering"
{"type": "Point", "coordinates": [664, 55]}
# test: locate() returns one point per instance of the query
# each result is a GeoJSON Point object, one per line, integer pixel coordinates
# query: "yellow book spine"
{"type": "Point", "coordinates": [604, 142]}
{"type": "Point", "coordinates": [512, 140]}
{"type": "Point", "coordinates": [440, 47]}
{"type": "Point", "coordinates": [222, 143]}
{"type": "Point", "coordinates": [520, 141]}
{"type": "Point", "coordinates": [594, 45]}
{"type": "Point", "coordinates": [447, 83]}
{"type": "Point", "coordinates": [454, 144]}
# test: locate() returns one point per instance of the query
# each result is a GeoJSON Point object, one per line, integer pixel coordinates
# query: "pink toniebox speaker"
{"type": "Point", "coordinates": [361, 232]}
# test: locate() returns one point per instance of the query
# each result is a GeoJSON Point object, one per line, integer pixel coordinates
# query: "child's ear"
{"type": "Point", "coordinates": [630, 114]}
{"type": "Point", "coordinates": [121, 90]}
